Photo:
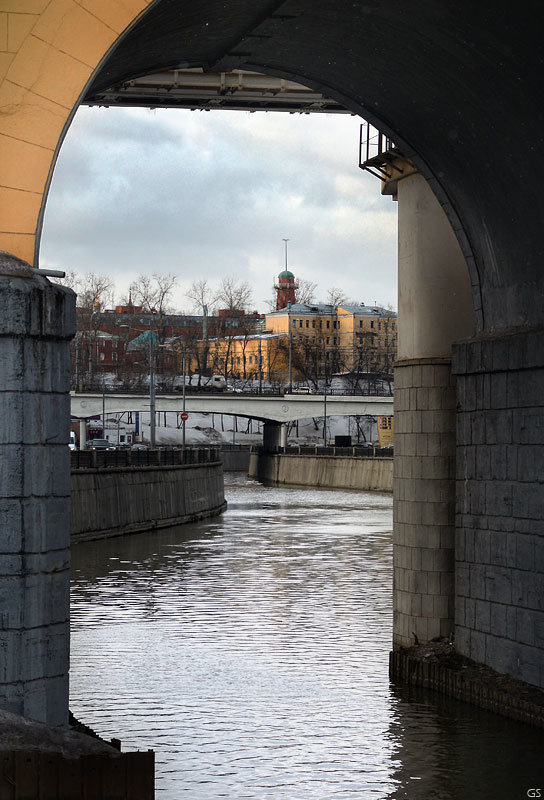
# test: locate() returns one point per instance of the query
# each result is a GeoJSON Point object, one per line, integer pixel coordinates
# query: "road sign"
{"type": "Point", "coordinates": [184, 416]}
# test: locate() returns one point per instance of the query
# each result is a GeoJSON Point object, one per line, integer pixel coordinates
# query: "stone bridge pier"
{"type": "Point", "coordinates": [37, 320]}
{"type": "Point", "coordinates": [274, 435]}
{"type": "Point", "coordinates": [435, 309]}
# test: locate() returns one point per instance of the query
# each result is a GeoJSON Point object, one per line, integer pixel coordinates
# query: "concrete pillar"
{"type": "Point", "coordinates": [274, 435]}
{"type": "Point", "coordinates": [435, 309]}
{"type": "Point", "coordinates": [37, 320]}
{"type": "Point", "coordinates": [82, 433]}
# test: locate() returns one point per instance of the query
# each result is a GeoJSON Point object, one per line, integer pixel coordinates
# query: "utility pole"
{"type": "Point", "coordinates": [325, 410]}
{"type": "Point", "coordinates": [290, 348]}
{"type": "Point", "coordinates": [151, 391]}
{"type": "Point", "coordinates": [183, 417]}
{"type": "Point", "coordinates": [260, 367]}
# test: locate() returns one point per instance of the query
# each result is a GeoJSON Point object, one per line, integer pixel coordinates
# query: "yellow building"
{"type": "Point", "coordinates": [338, 339]}
{"type": "Point", "coordinates": [253, 356]}
{"type": "Point", "coordinates": [324, 340]}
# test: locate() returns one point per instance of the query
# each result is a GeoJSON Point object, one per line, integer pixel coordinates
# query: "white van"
{"type": "Point", "coordinates": [72, 443]}
{"type": "Point", "coordinates": [218, 383]}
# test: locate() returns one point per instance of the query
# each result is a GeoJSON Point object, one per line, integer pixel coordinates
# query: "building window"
{"type": "Point", "coordinates": [301, 338]}
{"type": "Point", "coordinates": [328, 323]}
{"type": "Point", "coordinates": [392, 326]}
{"type": "Point", "coordinates": [371, 323]}
{"type": "Point", "coordinates": [328, 341]}
{"type": "Point", "coordinates": [379, 325]}
{"type": "Point", "coordinates": [313, 339]}
{"type": "Point", "coordinates": [238, 360]}
{"type": "Point", "coordinates": [307, 323]}
{"type": "Point", "coordinates": [251, 359]}
{"type": "Point", "coordinates": [313, 323]}
{"type": "Point", "coordinates": [294, 323]}
{"type": "Point", "coordinates": [300, 323]}
{"type": "Point", "coordinates": [320, 340]}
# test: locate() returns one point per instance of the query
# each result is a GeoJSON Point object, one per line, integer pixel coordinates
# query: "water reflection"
{"type": "Point", "coordinates": [250, 652]}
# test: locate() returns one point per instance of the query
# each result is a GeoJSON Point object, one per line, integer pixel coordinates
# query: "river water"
{"type": "Point", "coordinates": [250, 652]}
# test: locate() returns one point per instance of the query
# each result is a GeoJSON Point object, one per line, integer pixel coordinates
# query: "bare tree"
{"type": "Point", "coordinates": [154, 292]}
{"type": "Point", "coordinates": [71, 279]}
{"type": "Point", "coordinates": [335, 296]}
{"type": "Point", "coordinates": [305, 292]}
{"type": "Point", "coordinates": [234, 295]}
{"type": "Point", "coordinates": [201, 295]}
{"type": "Point", "coordinates": [94, 292]}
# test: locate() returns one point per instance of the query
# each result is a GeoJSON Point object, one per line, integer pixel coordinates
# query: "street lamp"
{"type": "Point", "coordinates": [151, 391]}
{"type": "Point", "coordinates": [183, 397]}
{"type": "Point", "coordinates": [325, 410]}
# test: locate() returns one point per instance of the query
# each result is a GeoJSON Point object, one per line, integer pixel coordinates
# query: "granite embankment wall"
{"type": "Point", "coordinates": [235, 458]}
{"type": "Point", "coordinates": [113, 501]}
{"type": "Point", "coordinates": [332, 472]}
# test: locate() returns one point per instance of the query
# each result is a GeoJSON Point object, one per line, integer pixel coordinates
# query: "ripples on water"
{"type": "Point", "coordinates": [250, 652]}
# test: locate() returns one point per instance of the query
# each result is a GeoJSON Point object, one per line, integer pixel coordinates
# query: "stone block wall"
{"type": "Point", "coordinates": [424, 500]}
{"type": "Point", "coordinates": [332, 472]}
{"type": "Point", "coordinates": [113, 501]}
{"type": "Point", "coordinates": [37, 319]}
{"type": "Point", "coordinates": [499, 545]}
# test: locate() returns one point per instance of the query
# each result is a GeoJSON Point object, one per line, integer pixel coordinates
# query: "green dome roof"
{"type": "Point", "coordinates": [286, 274]}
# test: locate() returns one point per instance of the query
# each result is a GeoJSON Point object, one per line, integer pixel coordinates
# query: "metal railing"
{"type": "Point", "coordinates": [376, 150]}
{"type": "Point", "coordinates": [357, 451]}
{"type": "Point", "coordinates": [143, 389]}
{"type": "Point", "coordinates": [96, 459]}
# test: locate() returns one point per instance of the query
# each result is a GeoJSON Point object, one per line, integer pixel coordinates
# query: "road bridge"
{"type": "Point", "coordinates": [274, 409]}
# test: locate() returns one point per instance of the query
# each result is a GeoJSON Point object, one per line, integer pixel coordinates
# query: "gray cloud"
{"type": "Point", "coordinates": [208, 195]}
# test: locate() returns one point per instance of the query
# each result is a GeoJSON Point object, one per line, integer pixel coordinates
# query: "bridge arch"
{"type": "Point", "coordinates": [458, 86]}
{"type": "Point", "coordinates": [437, 79]}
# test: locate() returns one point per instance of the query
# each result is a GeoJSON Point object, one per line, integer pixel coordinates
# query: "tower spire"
{"type": "Point", "coordinates": [286, 240]}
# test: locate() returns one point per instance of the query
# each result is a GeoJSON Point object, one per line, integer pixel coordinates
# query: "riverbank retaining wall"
{"type": "Point", "coordinates": [332, 472]}
{"type": "Point", "coordinates": [235, 458]}
{"type": "Point", "coordinates": [113, 501]}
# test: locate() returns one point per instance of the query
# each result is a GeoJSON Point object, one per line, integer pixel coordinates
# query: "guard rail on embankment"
{"type": "Point", "coordinates": [120, 492]}
{"type": "Point", "coordinates": [325, 467]}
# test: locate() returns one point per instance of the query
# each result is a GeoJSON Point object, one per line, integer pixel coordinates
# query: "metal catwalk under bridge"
{"type": "Point", "coordinates": [239, 90]}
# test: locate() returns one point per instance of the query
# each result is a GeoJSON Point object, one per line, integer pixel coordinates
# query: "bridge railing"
{"type": "Point", "coordinates": [143, 389]}
{"type": "Point", "coordinates": [357, 451]}
{"type": "Point", "coordinates": [95, 459]}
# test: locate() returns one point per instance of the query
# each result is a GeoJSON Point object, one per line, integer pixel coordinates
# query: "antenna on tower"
{"type": "Point", "coordinates": [286, 240]}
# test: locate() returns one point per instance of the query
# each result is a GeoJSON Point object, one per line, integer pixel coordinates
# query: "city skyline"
{"type": "Point", "coordinates": [214, 195]}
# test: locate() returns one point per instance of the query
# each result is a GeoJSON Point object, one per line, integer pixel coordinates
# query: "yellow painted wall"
{"type": "Point", "coordinates": [49, 50]}
{"type": "Point", "coordinates": [275, 358]}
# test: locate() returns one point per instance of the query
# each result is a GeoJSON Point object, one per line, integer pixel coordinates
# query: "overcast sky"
{"type": "Point", "coordinates": [207, 195]}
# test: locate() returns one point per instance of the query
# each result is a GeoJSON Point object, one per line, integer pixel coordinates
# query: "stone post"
{"type": "Point", "coordinates": [435, 309]}
{"type": "Point", "coordinates": [82, 433]}
{"type": "Point", "coordinates": [37, 321]}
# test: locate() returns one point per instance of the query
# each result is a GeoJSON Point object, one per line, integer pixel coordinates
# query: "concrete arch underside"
{"type": "Point", "coordinates": [458, 86]}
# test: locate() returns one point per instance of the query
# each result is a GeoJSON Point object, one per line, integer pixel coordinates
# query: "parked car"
{"type": "Point", "coordinates": [99, 444]}
{"type": "Point", "coordinates": [139, 446]}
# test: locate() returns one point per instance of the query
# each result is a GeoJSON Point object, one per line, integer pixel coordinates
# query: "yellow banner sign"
{"type": "Point", "coordinates": [385, 431]}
